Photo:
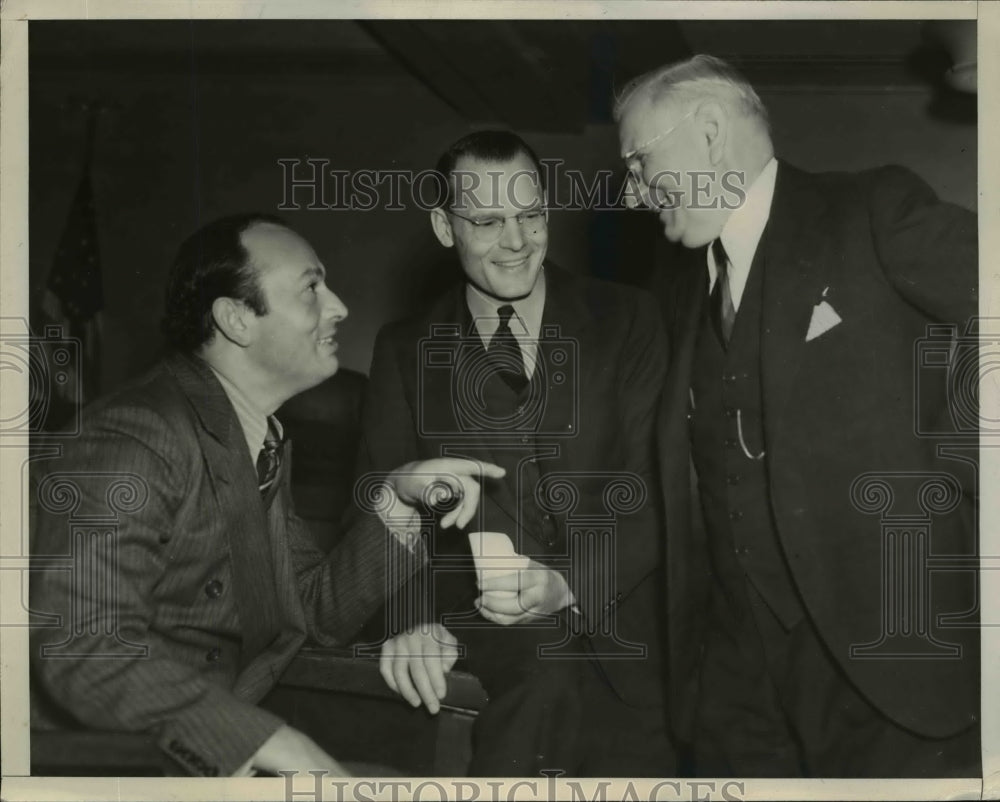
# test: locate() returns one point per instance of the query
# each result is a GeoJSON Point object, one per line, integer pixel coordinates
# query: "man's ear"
{"type": "Point", "coordinates": [442, 227]}
{"type": "Point", "coordinates": [713, 121]}
{"type": "Point", "coordinates": [232, 319]}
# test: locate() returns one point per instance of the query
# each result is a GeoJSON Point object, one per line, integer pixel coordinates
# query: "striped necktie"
{"type": "Point", "coordinates": [269, 458]}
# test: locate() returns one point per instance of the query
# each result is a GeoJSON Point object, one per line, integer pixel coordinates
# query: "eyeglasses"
{"type": "Point", "coordinates": [642, 149]}
{"type": "Point", "coordinates": [489, 229]}
{"type": "Point", "coordinates": [654, 197]}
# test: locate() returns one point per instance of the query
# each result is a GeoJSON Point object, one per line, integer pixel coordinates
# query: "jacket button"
{"type": "Point", "coordinates": [733, 479]}
{"type": "Point", "coordinates": [736, 515]}
{"type": "Point", "coordinates": [730, 412]}
{"type": "Point", "coordinates": [213, 589]}
{"type": "Point", "coordinates": [731, 442]}
{"type": "Point", "coordinates": [213, 655]}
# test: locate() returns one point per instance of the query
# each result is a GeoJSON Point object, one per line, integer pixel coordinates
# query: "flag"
{"type": "Point", "coordinates": [75, 289]}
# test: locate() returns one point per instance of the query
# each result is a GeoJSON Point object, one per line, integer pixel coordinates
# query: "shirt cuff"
{"type": "Point", "coordinates": [402, 520]}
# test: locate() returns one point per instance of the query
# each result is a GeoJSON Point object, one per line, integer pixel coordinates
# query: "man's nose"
{"type": "Point", "coordinates": [333, 307]}
{"type": "Point", "coordinates": [637, 193]}
{"type": "Point", "coordinates": [512, 237]}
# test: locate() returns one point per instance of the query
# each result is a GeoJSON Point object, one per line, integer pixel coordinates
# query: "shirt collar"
{"type": "Point", "coordinates": [744, 228]}
{"type": "Point", "coordinates": [253, 422]}
{"type": "Point", "coordinates": [526, 323]}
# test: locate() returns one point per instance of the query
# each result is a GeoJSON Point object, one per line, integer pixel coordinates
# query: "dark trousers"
{"type": "Point", "coordinates": [556, 713]}
{"type": "Point", "coordinates": [774, 703]}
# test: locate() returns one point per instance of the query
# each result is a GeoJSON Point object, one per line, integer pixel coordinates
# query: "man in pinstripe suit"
{"type": "Point", "coordinates": [181, 614]}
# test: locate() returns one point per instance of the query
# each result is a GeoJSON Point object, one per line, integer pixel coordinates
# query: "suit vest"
{"type": "Point", "coordinates": [726, 433]}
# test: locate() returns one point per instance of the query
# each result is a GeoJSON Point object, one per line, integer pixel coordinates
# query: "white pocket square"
{"type": "Point", "coordinates": [824, 318]}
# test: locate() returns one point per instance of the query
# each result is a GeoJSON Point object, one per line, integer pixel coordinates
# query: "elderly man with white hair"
{"type": "Point", "coordinates": [807, 635]}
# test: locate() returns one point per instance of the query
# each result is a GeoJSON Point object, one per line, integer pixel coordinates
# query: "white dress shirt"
{"type": "Point", "coordinates": [525, 324]}
{"type": "Point", "coordinates": [252, 420]}
{"type": "Point", "coordinates": [742, 232]}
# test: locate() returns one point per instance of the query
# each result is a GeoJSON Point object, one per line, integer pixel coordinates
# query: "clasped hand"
{"type": "Point", "coordinates": [515, 597]}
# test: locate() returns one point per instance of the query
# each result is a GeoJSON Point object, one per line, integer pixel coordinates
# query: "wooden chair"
{"type": "Point", "coordinates": [364, 725]}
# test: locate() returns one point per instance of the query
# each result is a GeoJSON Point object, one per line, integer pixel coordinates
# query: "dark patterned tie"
{"type": "Point", "coordinates": [506, 353]}
{"type": "Point", "coordinates": [721, 300]}
{"type": "Point", "coordinates": [269, 458]}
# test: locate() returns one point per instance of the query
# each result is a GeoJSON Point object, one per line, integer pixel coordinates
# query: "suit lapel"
{"type": "Point", "coordinates": [685, 300]}
{"type": "Point", "coordinates": [564, 329]}
{"type": "Point", "coordinates": [448, 388]}
{"type": "Point", "coordinates": [234, 481]}
{"type": "Point", "coordinates": [795, 273]}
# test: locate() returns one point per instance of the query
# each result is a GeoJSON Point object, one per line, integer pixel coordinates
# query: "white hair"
{"type": "Point", "coordinates": [698, 78]}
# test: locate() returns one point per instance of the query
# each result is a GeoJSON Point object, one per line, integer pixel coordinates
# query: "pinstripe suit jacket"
{"type": "Point", "coordinates": [185, 598]}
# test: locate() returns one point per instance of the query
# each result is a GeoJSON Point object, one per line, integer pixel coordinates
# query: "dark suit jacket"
{"type": "Point", "coordinates": [597, 421]}
{"type": "Point", "coordinates": [889, 258]}
{"type": "Point", "coordinates": [187, 598]}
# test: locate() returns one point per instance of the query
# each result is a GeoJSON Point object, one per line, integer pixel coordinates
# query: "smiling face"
{"type": "Point", "coordinates": [667, 152]}
{"type": "Point", "coordinates": [293, 342]}
{"type": "Point", "coordinates": [506, 267]}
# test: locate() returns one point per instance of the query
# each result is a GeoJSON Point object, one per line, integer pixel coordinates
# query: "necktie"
{"type": "Point", "coordinates": [269, 459]}
{"type": "Point", "coordinates": [721, 300]}
{"type": "Point", "coordinates": [506, 353]}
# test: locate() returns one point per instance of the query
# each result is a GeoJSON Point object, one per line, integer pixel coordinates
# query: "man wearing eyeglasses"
{"type": "Point", "coordinates": [806, 637]}
{"type": "Point", "coordinates": [556, 377]}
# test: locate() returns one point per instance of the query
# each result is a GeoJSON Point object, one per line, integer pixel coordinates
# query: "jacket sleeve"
{"type": "Point", "coordinates": [641, 370]}
{"type": "Point", "coordinates": [927, 248]}
{"type": "Point", "coordinates": [343, 589]}
{"type": "Point", "coordinates": [102, 660]}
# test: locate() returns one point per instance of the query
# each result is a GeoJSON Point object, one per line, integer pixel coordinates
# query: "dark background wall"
{"type": "Point", "coordinates": [196, 116]}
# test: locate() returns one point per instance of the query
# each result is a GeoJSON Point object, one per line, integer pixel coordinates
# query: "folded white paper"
{"type": "Point", "coordinates": [494, 554]}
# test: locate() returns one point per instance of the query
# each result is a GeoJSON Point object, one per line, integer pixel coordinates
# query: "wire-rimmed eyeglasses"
{"type": "Point", "coordinates": [490, 229]}
{"type": "Point", "coordinates": [638, 153]}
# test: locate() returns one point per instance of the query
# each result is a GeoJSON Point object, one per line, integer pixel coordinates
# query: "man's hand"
{"type": "Point", "coordinates": [414, 664]}
{"type": "Point", "coordinates": [290, 750]}
{"type": "Point", "coordinates": [518, 596]}
{"type": "Point", "coordinates": [437, 482]}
